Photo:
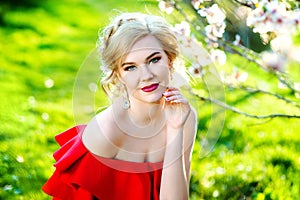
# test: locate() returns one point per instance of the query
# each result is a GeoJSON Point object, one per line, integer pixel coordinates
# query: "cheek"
{"type": "Point", "coordinates": [163, 72]}
{"type": "Point", "coordinates": [130, 81]}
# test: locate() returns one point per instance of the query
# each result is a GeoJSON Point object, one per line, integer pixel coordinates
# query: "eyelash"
{"type": "Point", "coordinates": [155, 59]}
{"type": "Point", "coordinates": [129, 68]}
{"type": "Point", "coordinates": [152, 61]}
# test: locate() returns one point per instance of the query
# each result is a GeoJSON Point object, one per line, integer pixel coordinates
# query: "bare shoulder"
{"type": "Point", "coordinates": [100, 136]}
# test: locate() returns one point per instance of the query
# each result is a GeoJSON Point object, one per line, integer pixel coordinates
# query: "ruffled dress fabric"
{"type": "Point", "coordinates": [81, 175]}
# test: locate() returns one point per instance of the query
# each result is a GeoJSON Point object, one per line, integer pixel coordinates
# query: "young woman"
{"type": "Point", "coordinates": [140, 146]}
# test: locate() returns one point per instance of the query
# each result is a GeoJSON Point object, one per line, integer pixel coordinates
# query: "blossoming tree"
{"type": "Point", "coordinates": [260, 32]}
{"type": "Point", "coordinates": [242, 56]}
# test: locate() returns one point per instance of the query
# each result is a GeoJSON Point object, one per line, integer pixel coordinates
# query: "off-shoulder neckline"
{"type": "Point", "coordinates": [125, 161]}
{"type": "Point", "coordinates": [113, 159]}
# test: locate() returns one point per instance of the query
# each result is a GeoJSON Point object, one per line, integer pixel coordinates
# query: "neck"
{"type": "Point", "coordinates": [143, 113]}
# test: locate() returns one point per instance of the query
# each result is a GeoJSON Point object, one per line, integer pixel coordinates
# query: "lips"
{"type": "Point", "coordinates": [150, 88]}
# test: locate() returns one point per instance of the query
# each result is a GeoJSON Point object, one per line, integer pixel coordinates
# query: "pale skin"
{"type": "Point", "coordinates": [144, 66]}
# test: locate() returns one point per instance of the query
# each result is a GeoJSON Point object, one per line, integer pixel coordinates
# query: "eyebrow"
{"type": "Point", "coordinates": [150, 56]}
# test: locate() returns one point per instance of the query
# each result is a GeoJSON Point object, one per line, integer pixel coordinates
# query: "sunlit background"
{"type": "Point", "coordinates": [44, 43]}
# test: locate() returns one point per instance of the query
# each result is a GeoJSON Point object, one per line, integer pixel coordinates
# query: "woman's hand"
{"type": "Point", "coordinates": [177, 108]}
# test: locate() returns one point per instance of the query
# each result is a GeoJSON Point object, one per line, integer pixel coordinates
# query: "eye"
{"type": "Point", "coordinates": [154, 60]}
{"type": "Point", "coordinates": [129, 68]}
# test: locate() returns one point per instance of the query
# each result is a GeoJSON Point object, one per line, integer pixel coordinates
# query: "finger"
{"type": "Point", "coordinates": [171, 93]}
{"type": "Point", "coordinates": [179, 101]}
{"type": "Point", "coordinates": [173, 97]}
{"type": "Point", "coordinates": [176, 99]}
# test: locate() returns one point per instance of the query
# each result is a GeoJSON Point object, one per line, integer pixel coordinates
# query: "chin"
{"type": "Point", "coordinates": [150, 98]}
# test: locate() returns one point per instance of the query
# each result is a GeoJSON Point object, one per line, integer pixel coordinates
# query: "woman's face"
{"type": "Point", "coordinates": [145, 70]}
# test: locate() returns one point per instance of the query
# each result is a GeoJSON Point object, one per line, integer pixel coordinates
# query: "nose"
{"type": "Point", "coordinates": [146, 73]}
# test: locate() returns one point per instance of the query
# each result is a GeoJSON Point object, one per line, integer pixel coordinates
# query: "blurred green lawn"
{"type": "Point", "coordinates": [42, 48]}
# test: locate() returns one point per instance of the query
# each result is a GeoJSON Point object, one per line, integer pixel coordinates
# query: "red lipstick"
{"type": "Point", "coordinates": [150, 88]}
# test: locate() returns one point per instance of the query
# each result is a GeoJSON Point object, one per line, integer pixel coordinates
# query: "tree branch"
{"type": "Point", "coordinates": [231, 108]}
{"type": "Point", "coordinates": [239, 50]}
{"type": "Point", "coordinates": [252, 6]}
{"type": "Point", "coordinates": [283, 80]}
{"type": "Point", "coordinates": [252, 90]}
{"type": "Point", "coordinates": [250, 56]}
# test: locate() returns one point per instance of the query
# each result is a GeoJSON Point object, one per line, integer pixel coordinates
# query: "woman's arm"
{"type": "Point", "coordinates": [181, 129]}
{"type": "Point", "coordinates": [190, 130]}
{"type": "Point", "coordinates": [174, 184]}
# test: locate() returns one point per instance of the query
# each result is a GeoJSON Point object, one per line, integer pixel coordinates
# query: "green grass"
{"type": "Point", "coordinates": [47, 42]}
{"type": "Point", "coordinates": [258, 159]}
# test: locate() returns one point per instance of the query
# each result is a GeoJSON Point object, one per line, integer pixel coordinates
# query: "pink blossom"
{"type": "Point", "coordinates": [167, 7]}
{"type": "Point", "coordinates": [237, 40]}
{"type": "Point", "coordinates": [193, 50]}
{"type": "Point", "coordinates": [272, 16]}
{"type": "Point", "coordinates": [216, 24]}
{"type": "Point", "coordinates": [196, 3]}
{"type": "Point", "coordinates": [215, 31]}
{"type": "Point", "coordinates": [218, 56]}
{"type": "Point", "coordinates": [282, 44]}
{"type": "Point", "coordinates": [273, 61]}
{"type": "Point", "coordinates": [195, 70]}
{"type": "Point", "coordinates": [236, 77]}
{"type": "Point", "coordinates": [183, 28]}
{"type": "Point", "coordinates": [213, 14]}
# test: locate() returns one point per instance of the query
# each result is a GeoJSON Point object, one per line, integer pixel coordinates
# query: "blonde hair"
{"type": "Point", "coordinates": [116, 40]}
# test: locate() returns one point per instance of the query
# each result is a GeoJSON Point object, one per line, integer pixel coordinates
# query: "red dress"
{"type": "Point", "coordinates": [81, 175]}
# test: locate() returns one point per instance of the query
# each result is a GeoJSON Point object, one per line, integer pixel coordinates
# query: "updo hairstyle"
{"type": "Point", "coordinates": [116, 40]}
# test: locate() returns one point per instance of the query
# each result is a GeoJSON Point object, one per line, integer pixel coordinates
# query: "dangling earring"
{"type": "Point", "coordinates": [126, 103]}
